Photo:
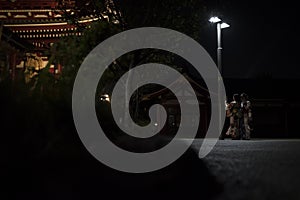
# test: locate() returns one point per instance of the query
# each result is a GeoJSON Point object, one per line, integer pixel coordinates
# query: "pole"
{"type": "Point", "coordinates": [219, 57]}
{"type": "Point", "coordinates": [219, 50]}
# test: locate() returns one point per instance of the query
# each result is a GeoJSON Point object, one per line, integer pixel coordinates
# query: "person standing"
{"type": "Point", "coordinates": [246, 117]}
{"type": "Point", "coordinates": [233, 111]}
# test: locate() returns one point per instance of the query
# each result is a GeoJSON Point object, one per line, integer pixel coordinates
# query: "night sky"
{"type": "Point", "coordinates": [263, 40]}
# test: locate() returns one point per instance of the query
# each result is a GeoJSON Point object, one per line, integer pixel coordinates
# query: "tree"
{"type": "Point", "coordinates": [46, 115]}
{"type": "Point", "coordinates": [182, 15]}
{"type": "Point", "coordinates": [185, 16]}
{"type": "Point", "coordinates": [113, 16]}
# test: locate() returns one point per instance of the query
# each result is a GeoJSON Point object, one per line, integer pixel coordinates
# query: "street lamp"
{"type": "Point", "coordinates": [220, 25]}
{"type": "Point", "coordinates": [214, 19]}
{"type": "Point", "coordinates": [104, 98]}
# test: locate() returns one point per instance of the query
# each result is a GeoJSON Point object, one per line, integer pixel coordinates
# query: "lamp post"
{"type": "Point", "coordinates": [220, 25]}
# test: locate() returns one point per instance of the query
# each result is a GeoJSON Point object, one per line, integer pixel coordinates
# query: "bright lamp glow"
{"type": "Point", "coordinates": [105, 97]}
{"type": "Point", "coordinates": [225, 25]}
{"type": "Point", "coordinates": [214, 19]}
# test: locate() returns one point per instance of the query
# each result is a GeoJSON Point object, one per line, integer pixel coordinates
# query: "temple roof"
{"type": "Point", "coordinates": [41, 22]}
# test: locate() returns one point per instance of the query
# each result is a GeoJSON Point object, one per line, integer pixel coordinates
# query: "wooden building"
{"type": "Point", "coordinates": [39, 23]}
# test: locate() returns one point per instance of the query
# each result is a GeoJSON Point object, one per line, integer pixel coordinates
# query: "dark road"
{"type": "Point", "coordinates": [256, 169]}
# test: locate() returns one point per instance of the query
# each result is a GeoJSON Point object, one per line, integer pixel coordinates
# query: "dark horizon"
{"type": "Point", "coordinates": [262, 40]}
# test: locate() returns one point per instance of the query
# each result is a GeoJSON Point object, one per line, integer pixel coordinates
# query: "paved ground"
{"type": "Point", "coordinates": [234, 170]}
{"type": "Point", "coordinates": [256, 169]}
